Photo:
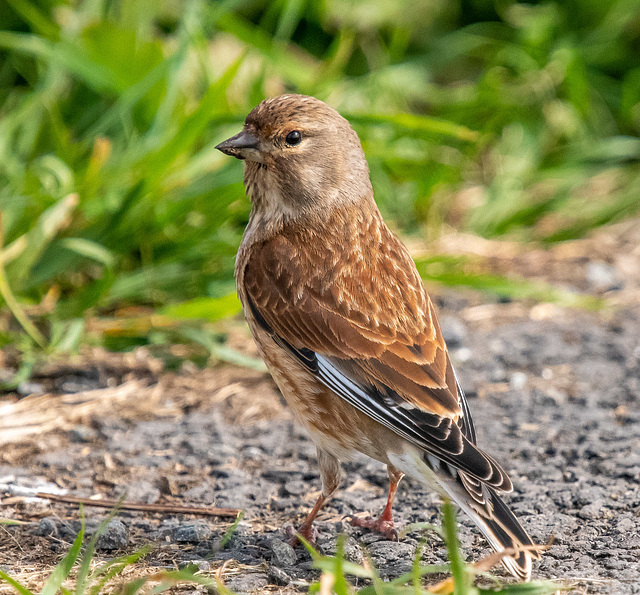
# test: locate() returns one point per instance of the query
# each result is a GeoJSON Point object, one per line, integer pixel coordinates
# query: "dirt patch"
{"type": "Point", "coordinates": [554, 394]}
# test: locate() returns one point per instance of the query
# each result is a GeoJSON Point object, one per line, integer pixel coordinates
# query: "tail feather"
{"type": "Point", "coordinates": [483, 505]}
{"type": "Point", "coordinates": [502, 530]}
{"type": "Point", "coordinates": [495, 519]}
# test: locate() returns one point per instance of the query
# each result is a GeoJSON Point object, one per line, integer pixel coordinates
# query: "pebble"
{"type": "Point", "coordinates": [47, 527]}
{"type": "Point", "coordinates": [256, 581]}
{"type": "Point", "coordinates": [282, 554]}
{"type": "Point", "coordinates": [278, 576]}
{"type": "Point", "coordinates": [114, 536]}
{"type": "Point", "coordinates": [624, 525]}
{"type": "Point", "coordinates": [372, 537]}
{"type": "Point", "coordinates": [352, 550]}
{"type": "Point", "coordinates": [140, 491]}
{"type": "Point", "coordinates": [388, 551]}
{"type": "Point", "coordinates": [79, 385]}
{"type": "Point", "coordinates": [454, 331]}
{"type": "Point", "coordinates": [464, 354]}
{"type": "Point", "coordinates": [518, 380]}
{"type": "Point", "coordinates": [201, 565]}
{"type": "Point", "coordinates": [498, 374]}
{"type": "Point", "coordinates": [81, 434]}
{"type": "Point", "coordinates": [296, 487]}
{"type": "Point", "coordinates": [191, 532]}
{"type": "Point", "coordinates": [592, 511]}
{"type": "Point", "coordinates": [200, 493]}
{"type": "Point", "coordinates": [284, 503]}
{"type": "Point", "coordinates": [602, 276]}
{"type": "Point", "coordinates": [30, 388]}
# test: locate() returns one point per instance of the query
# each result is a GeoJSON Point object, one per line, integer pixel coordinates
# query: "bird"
{"type": "Point", "coordinates": [343, 322]}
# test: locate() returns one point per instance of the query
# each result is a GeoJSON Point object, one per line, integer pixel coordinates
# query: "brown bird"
{"type": "Point", "coordinates": [343, 322]}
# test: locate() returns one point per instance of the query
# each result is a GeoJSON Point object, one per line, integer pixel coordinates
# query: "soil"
{"type": "Point", "coordinates": [554, 393]}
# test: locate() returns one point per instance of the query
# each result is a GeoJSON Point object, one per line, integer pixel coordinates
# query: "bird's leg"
{"type": "Point", "coordinates": [307, 530]}
{"type": "Point", "coordinates": [331, 474]}
{"type": "Point", "coordinates": [384, 523]}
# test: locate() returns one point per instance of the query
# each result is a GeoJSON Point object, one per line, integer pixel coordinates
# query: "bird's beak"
{"type": "Point", "coordinates": [243, 145]}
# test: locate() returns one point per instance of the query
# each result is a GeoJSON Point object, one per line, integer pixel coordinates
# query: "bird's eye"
{"type": "Point", "coordinates": [293, 138]}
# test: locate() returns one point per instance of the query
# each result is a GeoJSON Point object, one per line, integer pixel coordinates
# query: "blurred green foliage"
{"type": "Point", "coordinates": [496, 117]}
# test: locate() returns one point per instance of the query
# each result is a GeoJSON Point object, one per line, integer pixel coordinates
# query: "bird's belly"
{"type": "Point", "coordinates": [333, 424]}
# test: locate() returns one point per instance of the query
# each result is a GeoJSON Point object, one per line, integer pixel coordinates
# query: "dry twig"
{"type": "Point", "coordinates": [107, 503]}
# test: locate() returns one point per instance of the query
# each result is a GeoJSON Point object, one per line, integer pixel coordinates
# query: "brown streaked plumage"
{"type": "Point", "coordinates": [342, 320]}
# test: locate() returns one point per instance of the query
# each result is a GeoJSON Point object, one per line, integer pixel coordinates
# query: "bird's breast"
{"type": "Point", "coordinates": [332, 424]}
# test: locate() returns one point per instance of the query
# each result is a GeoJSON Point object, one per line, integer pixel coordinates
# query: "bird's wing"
{"type": "Point", "coordinates": [370, 333]}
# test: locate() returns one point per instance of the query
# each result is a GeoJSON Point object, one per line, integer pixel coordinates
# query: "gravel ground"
{"type": "Point", "coordinates": [554, 394]}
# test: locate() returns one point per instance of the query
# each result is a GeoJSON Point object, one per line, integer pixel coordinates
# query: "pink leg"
{"type": "Point", "coordinates": [331, 474]}
{"type": "Point", "coordinates": [384, 523]}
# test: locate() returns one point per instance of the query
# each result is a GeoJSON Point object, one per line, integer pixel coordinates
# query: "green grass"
{"type": "Point", "coordinates": [79, 573]}
{"type": "Point", "coordinates": [113, 199]}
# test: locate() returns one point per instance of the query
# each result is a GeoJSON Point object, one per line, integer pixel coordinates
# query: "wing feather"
{"type": "Point", "coordinates": [372, 338]}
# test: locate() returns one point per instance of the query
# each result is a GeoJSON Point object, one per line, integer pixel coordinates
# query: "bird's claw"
{"type": "Point", "coordinates": [383, 526]}
{"type": "Point", "coordinates": [308, 533]}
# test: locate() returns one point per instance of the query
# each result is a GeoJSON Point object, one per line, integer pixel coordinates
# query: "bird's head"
{"type": "Point", "coordinates": [300, 156]}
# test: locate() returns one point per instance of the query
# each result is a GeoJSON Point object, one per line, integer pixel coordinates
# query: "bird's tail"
{"type": "Point", "coordinates": [500, 527]}
{"type": "Point", "coordinates": [483, 505]}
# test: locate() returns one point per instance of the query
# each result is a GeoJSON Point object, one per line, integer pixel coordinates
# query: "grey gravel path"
{"type": "Point", "coordinates": [556, 401]}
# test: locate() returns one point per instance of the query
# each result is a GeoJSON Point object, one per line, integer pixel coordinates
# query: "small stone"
{"type": "Point", "coordinates": [624, 525]}
{"type": "Point", "coordinates": [295, 487]}
{"type": "Point", "coordinates": [191, 532]}
{"type": "Point", "coordinates": [389, 551]}
{"type": "Point", "coordinates": [248, 583]}
{"type": "Point", "coordinates": [167, 486]}
{"type": "Point", "coordinates": [140, 491]}
{"type": "Point", "coordinates": [352, 550]}
{"type": "Point", "coordinates": [561, 552]}
{"type": "Point", "coordinates": [200, 493]}
{"type": "Point", "coordinates": [47, 527]}
{"type": "Point", "coordinates": [253, 453]}
{"type": "Point", "coordinates": [615, 564]}
{"type": "Point", "coordinates": [592, 511]}
{"type": "Point", "coordinates": [5, 374]}
{"type": "Point", "coordinates": [77, 385]}
{"type": "Point", "coordinates": [282, 554]}
{"type": "Point", "coordinates": [602, 276]}
{"type": "Point", "coordinates": [372, 537]}
{"type": "Point", "coordinates": [283, 503]}
{"type": "Point", "coordinates": [454, 331]}
{"type": "Point", "coordinates": [30, 388]}
{"type": "Point", "coordinates": [82, 434]}
{"type": "Point", "coordinates": [463, 354]}
{"type": "Point", "coordinates": [200, 565]}
{"type": "Point", "coordinates": [114, 536]}
{"type": "Point", "coordinates": [278, 576]}
{"type": "Point", "coordinates": [518, 380]}
{"type": "Point", "coordinates": [498, 373]}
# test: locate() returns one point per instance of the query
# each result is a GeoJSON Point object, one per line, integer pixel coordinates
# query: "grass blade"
{"type": "Point", "coordinates": [15, 584]}
{"type": "Point", "coordinates": [13, 304]}
{"type": "Point", "coordinates": [39, 21]}
{"type": "Point", "coordinates": [39, 237]}
{"type": "Point", "coordinates": [461, 578]}
{"type": "Point", "coordinates": [61, 571]}
{"type": "Point", "coordinates": [112, 569]}
{"type": "Point", "coordinates": [226, 538]}
{"type": "Point", "coordinates": [85, 563]}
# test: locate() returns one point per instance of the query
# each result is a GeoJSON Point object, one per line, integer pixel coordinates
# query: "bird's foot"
{"type": "Point", "coordinates": [381, 525]}
{"type": "Point", "coordinates": [307, 532]}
